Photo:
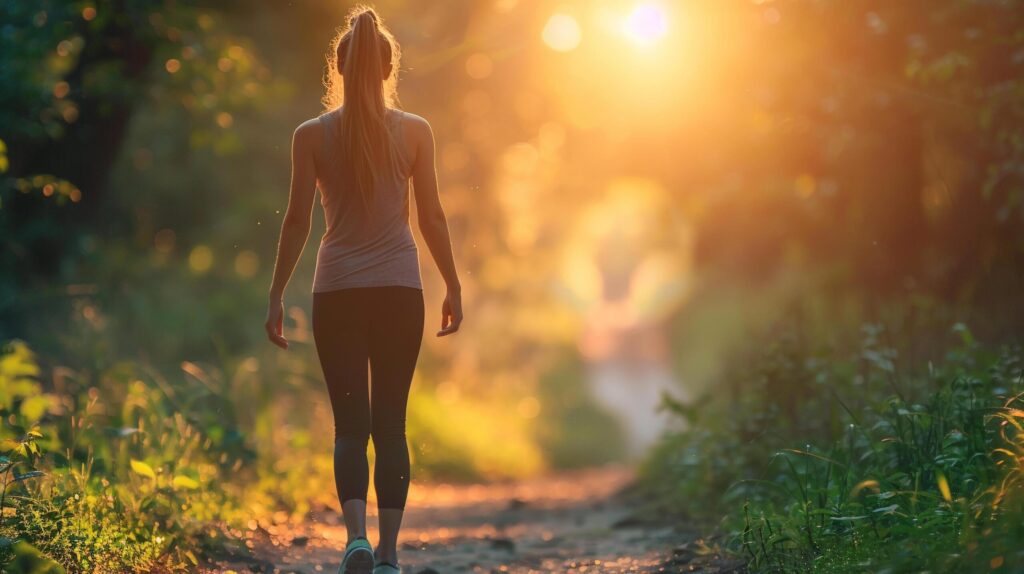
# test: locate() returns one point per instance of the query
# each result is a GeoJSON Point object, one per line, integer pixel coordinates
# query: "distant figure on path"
{"type": "Point", "coordinates": [367, 296]}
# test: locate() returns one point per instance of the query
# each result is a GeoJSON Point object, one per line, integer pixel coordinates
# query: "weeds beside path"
{"type": "Point", "coordinates": [571, 522]}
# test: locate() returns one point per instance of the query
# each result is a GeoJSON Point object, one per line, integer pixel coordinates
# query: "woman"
{"type": "Point", "coordinates": [367, 298]}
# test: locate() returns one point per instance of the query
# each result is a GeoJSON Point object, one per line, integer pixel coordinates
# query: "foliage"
{"type": "Point", "coordinates": [73, 74]}
{"type": "Point", "coordinates": [832, 461]}
{"type": "Point", "coordinates": [78, 486]}
{"type": "Point", "coordinates": [879, 127]}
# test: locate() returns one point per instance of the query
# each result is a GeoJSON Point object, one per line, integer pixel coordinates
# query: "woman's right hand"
{"type": "Point", "coordinates": [451, 312]}
{"type": "Point", "coordinates": [275, 323]}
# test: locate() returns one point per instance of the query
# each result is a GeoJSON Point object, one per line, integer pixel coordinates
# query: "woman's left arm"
{"type": "Point", "coordinates": [294, 227]}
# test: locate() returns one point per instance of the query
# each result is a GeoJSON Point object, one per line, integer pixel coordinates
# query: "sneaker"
{"type": "Point", "coordinates": [386, 568]}
{"type": "Point", "coordinates": [358, 558]}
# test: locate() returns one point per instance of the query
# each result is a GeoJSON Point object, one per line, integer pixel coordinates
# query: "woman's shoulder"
{"type": "Point", "coordinates": [410, 119]}
{"type": "Point", "coordinates": [309, 131]}
{"type": "Point", "coordinates": [313, 125]}
{"type": "Point", "coordinates": [413, 123]}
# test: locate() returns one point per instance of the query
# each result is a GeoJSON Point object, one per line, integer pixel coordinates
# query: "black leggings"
{"type": "Point", "coordinates": [382, 326]}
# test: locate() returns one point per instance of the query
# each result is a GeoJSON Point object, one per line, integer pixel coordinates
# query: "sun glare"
{"type": "Point", "coordinates": [646, 24]}
{"type": "Point", "coordinates": [562, 33]}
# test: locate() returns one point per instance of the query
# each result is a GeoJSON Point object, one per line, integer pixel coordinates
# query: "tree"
{"type": "Point", "coordinates": [72, 74]}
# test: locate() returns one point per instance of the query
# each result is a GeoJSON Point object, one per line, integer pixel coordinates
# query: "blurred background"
{"type": "Point", "coordinates": [634, 188]}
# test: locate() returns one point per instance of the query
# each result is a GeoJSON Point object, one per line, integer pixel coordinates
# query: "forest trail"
{"type": "Point", "coordinates": [569, 522]}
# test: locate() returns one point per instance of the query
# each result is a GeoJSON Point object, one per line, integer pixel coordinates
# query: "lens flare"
{"type": "Point", "coordinates": [562, 33]}
{"type": "Point", "coordinates": [646, 24]}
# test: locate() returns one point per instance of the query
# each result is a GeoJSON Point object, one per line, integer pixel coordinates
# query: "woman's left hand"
{"type": "Point", "coordinates": [275, 324]}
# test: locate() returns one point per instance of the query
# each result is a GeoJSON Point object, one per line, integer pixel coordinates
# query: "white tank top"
{"type": "Point", "coordinates": [363, 248]}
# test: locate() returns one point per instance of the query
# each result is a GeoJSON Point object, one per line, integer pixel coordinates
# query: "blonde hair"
{"type": "Point", "coordinates": [362, 76]}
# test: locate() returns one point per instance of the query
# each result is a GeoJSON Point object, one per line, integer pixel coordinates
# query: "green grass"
{"type": "Point", "coordinates": [825, 459]}
{"type": "Point", "coordinates": [109, 477]}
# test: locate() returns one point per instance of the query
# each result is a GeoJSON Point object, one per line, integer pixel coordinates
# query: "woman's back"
{"type": "Point", "coordinates": [368, 305]}
{"type": "Point", "coordinates": [366, 244]}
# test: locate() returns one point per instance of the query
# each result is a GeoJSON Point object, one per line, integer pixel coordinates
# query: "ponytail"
{"type": "Point", "coordinates": [366, 57]}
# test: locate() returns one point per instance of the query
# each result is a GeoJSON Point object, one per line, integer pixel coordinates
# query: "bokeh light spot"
{"type": "Point", "coordinates": [172, 65]}
{"type": "Point", "coordinates": [503, 6]}
{"type": "Point", "coordinates": [476, 103]}
{"type": "Point", "coordinates": [562, 33]}
{"type": "Point", "coordinates": [550, 136]}
{"type": "Point", "coordinates": [805, 185]}
{"type": "Point", "coordinates": [247, 263]}
{"type": "Point", "coordinates": [225, 120]}
{"type": "Point", "coordinates": [70, 113]}
{"type": "Point", "coordinates": [646, 24]}
{"type": "Point", "coordinates": [200, 259]}
{"type": "Point", "coordinates": [88, 13]}
{"type": "Point", "coordinates": [164, 240]}
{"type": "Point", "coordinates": [479, 66]}
{"type": "Point", "coordinates": [520, 159]}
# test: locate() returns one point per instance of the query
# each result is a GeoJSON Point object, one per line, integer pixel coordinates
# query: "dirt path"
{"type": "Point", "coordinates": [573, 522]}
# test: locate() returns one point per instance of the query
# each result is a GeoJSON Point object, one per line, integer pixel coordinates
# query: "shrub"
{"type": "Point", "coordinates": [92, 492]}
{"type": "Point", "coordinates": [831, 461]}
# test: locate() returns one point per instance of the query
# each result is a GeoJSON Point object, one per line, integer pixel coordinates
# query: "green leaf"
{"type": "Point", "coordinates": [142, 468]}
{"type": "Point", "coordinates": [33, 408]}
{"type": "Point", "coordinates": [182, 481]}
{"type": "Point", "coordinates": [943, 486]}
{"type": "Point", "coordinates": [28, 559]}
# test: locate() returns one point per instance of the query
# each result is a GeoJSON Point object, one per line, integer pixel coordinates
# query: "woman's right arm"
{"type": "Point", "coordinates": [294, 227]}
{"type": "Point", "coordinates": [434, 225]}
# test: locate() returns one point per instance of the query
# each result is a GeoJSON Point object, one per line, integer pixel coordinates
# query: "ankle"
{"type": "Point", "coordinates": [385, 555]}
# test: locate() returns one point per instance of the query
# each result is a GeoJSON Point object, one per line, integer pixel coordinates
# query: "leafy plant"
{"type": "Point", "coordinates": [841, 463]}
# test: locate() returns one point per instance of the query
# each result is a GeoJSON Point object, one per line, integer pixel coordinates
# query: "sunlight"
{"type": "Point", "coordinates": [647, 56]}
{"type": "Point", "coordinates": [646, 24]}
{"type": "Point", "coordinates": [562, 33]}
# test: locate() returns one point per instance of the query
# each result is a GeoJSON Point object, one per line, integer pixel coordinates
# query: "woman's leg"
{"type": "Point", "coordinates": [395, 336]}
{"type": "Point", "coordinates": [340, 329]}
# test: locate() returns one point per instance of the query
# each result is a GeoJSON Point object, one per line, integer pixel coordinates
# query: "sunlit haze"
{"type": "Point", "coordinates": [646, 24]}
{"type": "Point", "coordinates": [562, 33]}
